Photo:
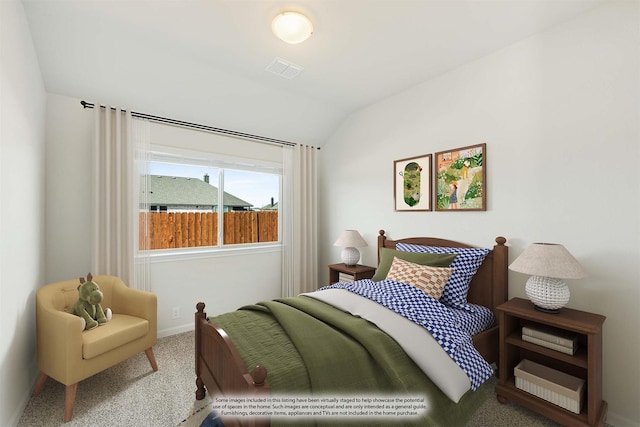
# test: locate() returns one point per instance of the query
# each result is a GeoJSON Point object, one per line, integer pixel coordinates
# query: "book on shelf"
{"type": "Point", "coordinates": [344, 277]}
{"type": "Point", "coordinates": [553, 346]}
{"type": "Point", "coordinates": [559, 340]}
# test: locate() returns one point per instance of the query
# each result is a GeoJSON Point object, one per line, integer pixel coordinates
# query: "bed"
{"type": "Point", "coordinates": [221, 370]}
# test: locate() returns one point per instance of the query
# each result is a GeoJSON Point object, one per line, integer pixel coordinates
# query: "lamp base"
{"type": "Point", "coordinates": [548, 294]}
{"type": "Point", "coordinates": [547, 310]}
{"type": "Point", "coordinates": [350, 256]}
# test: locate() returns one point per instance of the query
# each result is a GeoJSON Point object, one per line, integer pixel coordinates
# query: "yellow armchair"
{"type": "Point", "coordinates": [68, 354]}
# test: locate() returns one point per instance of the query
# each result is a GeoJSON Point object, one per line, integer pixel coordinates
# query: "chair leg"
{"type": "Point", "coordinates": [152, 358]}
{"type": "Point", "coordinates": [69, 400]}
{"type": "Point", "coordinates": [42, 378]}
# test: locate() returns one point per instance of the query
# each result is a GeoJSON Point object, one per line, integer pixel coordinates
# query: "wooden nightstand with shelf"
{"type": "Point", "coordinates": [356, 271]}
{"type": "Point", "coordinates": [586, 363]}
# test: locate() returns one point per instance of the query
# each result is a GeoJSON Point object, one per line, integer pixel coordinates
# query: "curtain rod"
{"type": "Point", "coordinates": [200, 127]}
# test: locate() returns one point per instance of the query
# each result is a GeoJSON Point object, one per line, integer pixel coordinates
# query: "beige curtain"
{"type": "Point", "coordinates": [119, 140]}
{"type": "Point", "coordinates": [300, 220]}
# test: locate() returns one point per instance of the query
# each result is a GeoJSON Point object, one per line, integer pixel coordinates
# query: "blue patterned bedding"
{"type": "Point", "coordinates": [451, 328]}
{"type": "Point", "coordinates": [480, 319]}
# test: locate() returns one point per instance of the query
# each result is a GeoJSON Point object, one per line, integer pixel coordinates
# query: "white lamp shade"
{"type": "Point", "coordinates": [350, 239]}
{"type": "Point", "coordinates": [548, 260]}
{"type": "Point", "coordinates": [292, 27]}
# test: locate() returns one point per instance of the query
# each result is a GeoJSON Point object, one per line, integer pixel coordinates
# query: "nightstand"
{"type": "Point", "coordinates": [356, 272]}
{"type": "Point", "coordinates": [585, 363]}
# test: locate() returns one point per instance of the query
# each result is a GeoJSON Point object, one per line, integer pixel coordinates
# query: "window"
{"type": "Point", "coordinates": [198, 199]}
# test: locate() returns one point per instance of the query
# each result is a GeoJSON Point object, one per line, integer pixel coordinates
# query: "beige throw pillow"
{"type": "Point", "coordinates": [430, 280]}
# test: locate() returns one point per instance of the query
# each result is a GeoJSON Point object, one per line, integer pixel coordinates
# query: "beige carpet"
{"type": "Point", "coordinates": [131, 394]}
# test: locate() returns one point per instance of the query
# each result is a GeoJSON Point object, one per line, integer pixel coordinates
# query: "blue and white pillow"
{"type": "Point", "coordinates": [464, 267]}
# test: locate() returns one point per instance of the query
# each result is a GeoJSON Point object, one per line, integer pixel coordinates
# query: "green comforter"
{"type": "Point", "coordinates": [310, 347]}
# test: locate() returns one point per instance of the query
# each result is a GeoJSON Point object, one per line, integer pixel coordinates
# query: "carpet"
{"type": "Point", "coordinates": [132, 395]}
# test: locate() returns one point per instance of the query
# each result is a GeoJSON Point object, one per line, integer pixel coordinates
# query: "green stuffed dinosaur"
{"type": "Point", "coordinates": [88, 305]}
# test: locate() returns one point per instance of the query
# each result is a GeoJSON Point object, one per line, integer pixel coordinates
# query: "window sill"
{"type": "Point", "coordinates": [169, 255]}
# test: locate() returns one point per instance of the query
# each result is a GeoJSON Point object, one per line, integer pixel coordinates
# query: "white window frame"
{"type": "Point", "coordinates": [159, 154]}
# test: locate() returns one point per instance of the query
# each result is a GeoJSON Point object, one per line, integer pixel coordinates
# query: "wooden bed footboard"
{"type": "Point", "coordinates": [221, 370]}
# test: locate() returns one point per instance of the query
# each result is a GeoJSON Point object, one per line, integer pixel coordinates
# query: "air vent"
{"type": "Point", "coordinates": [283, 68]}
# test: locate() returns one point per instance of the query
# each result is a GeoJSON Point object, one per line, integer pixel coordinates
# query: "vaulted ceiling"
{"type": "Point", "coordinates": [204, 60]}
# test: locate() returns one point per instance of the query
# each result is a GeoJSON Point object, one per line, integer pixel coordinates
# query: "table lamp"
{"type": "Point", "coordinates": [350, 240]}
{"type": "Point", "coordinates": [548, 264]}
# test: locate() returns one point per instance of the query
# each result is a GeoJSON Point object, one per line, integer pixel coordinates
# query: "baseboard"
{"type": "Point", "coordinates": [176, 330]}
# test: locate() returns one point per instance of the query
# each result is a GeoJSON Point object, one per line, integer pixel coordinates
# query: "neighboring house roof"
{"type": "Point", "coordinates": [179, 191]}
{"type": "Point", "coordinates": [270, 207]}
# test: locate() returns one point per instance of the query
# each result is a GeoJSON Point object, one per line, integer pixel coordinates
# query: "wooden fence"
{"type": "Point", "coordinates": [191, 229]}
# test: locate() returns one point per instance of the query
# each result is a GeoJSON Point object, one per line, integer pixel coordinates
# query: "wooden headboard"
{"type": "Point", "coordinates": [489, 286]}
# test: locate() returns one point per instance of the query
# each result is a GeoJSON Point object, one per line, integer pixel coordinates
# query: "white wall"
{"type": "Point", "coordinates": [224, 282]}
{"type": "Point", "coordinates": [69, 200]}
{"type": "Point", "coordinates": [559, 113]}
{"type": "Point", "coordinates": [22, 187]}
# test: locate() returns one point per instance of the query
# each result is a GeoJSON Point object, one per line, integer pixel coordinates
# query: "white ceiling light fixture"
{"type": "Point", "coordinates": [292, 27]}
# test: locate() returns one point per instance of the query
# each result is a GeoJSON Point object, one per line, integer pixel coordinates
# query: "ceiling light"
{"type": "Point", "coordinates": [292, 27]}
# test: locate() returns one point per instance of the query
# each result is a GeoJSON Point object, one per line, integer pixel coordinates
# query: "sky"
{"type": "Point", "coordinates": [253, 187]}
